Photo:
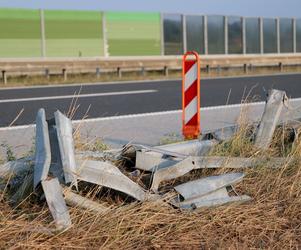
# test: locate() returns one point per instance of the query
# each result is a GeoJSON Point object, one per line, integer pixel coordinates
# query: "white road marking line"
{"type": "Point", "coordinates": [78, 96]}
{"type": "Point", "coordinates": [179, 111]}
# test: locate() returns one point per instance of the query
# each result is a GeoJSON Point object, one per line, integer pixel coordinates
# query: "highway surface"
{"type": "Point", "coordinates": [113, 99]}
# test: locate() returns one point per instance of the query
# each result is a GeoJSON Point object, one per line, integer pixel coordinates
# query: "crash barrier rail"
{"type": "Point", "coordinates": [118, 65]}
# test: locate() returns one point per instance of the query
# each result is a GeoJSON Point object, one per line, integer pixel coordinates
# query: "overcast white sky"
{"type": "Point", "coordinates": [267, 8]}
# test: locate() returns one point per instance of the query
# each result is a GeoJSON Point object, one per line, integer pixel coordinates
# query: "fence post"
{"type": "Point", "coordinates": [294, 36]}
{"type": "Point", "coordinates": [42, 30]}
{"type": "Point", "coordinates": [104, 35]}
{"type": "Point", "coordinates": [184, 33]}
{"type": "Point", "coordinates": [278, 34]}
{"type": "Point", "coordinates": [244, 39]}
{"type": "Point", "coordinates": [205, 35]}
{"type": "Point", "coordinates": [162, 34]}
{"type": "Point", "coordinates": [226, 35]}
{"type": "Point", "coordinates": [261, 35]}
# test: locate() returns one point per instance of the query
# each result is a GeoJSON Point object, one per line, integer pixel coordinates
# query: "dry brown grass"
{"type": "Point", "coordinates": [272, 220]}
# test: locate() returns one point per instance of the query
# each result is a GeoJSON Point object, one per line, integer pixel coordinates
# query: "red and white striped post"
{"type": "Point", "coordinates": [191, 96]}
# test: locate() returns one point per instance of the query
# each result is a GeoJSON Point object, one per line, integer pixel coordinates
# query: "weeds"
{"type": "Point", "coordinates": [10, 156]}
{"type": "Point", "coordinates": [170, 138]}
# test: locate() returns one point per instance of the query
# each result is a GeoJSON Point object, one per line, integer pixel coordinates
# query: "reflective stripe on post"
{"type": "Point", "coordinates": [191, 95]}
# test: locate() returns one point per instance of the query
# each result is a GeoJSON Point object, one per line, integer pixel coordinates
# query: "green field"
{"type": "Point", "coordinates": [78, 33]}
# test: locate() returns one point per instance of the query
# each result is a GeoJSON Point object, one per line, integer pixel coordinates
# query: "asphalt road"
{"type": "Point", "coordinates": [102, 100]}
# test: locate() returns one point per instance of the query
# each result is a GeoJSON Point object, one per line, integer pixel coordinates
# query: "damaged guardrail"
{"type": "Point", "coordinates": [177, 169]}
{"type": "Point", "coordinates": [60, 174]}
{"type": "Point", "coordinates": [209, 191]}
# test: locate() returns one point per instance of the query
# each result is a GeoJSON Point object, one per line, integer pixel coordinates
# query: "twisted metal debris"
{"type": "Point", "coordinates": [59, 172]}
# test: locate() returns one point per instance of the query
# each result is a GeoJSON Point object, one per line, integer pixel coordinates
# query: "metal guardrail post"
{"type": "Point", "coordinates": [4, 76]}
{"type": "Point", "coordinates": [184, 33]}
{"type": "Point", "coordinates": [166, 71]}
{"type": "Point", "coordinates": [143, 71]}
{"type": "Point", "coordinates": [205, 35]}
{"type": "Point", "coordinates": [64, 73]}
{"type": "Point", "coordinates": [226, 35]}
{"type": "Point", "coordinates": [294, 35]}
{"type": "Point", "coordinates": [104, 35]}
{"type": "Point", "coordinates": [261, 41]}
{"type": "Point", "coordinates": [119, 72]}
{"type": "Point", "coordinates": [208, 68]}
{"type": "Point", "coordinates": [162, 34]}
{"type": "Point", "coordinates": [280, 65]}
{"type": "Point", "coordinates": [278, 34]}
{"type": "Point", "coordinates": [270, 117]}
{"type": "Point", "coordinates": [47, 75]}
{"type": "Point", "coordinates": [246, 68]}
{"type": "Point", "coordinates": [42, 30]}
{"type": "Point", "coordinates": [244, 41]}
{"type": "Point", "coordinates": [97, 72]}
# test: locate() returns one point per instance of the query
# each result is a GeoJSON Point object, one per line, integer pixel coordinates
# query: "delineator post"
{"type": "Point", "coordinates": [191, 95]}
